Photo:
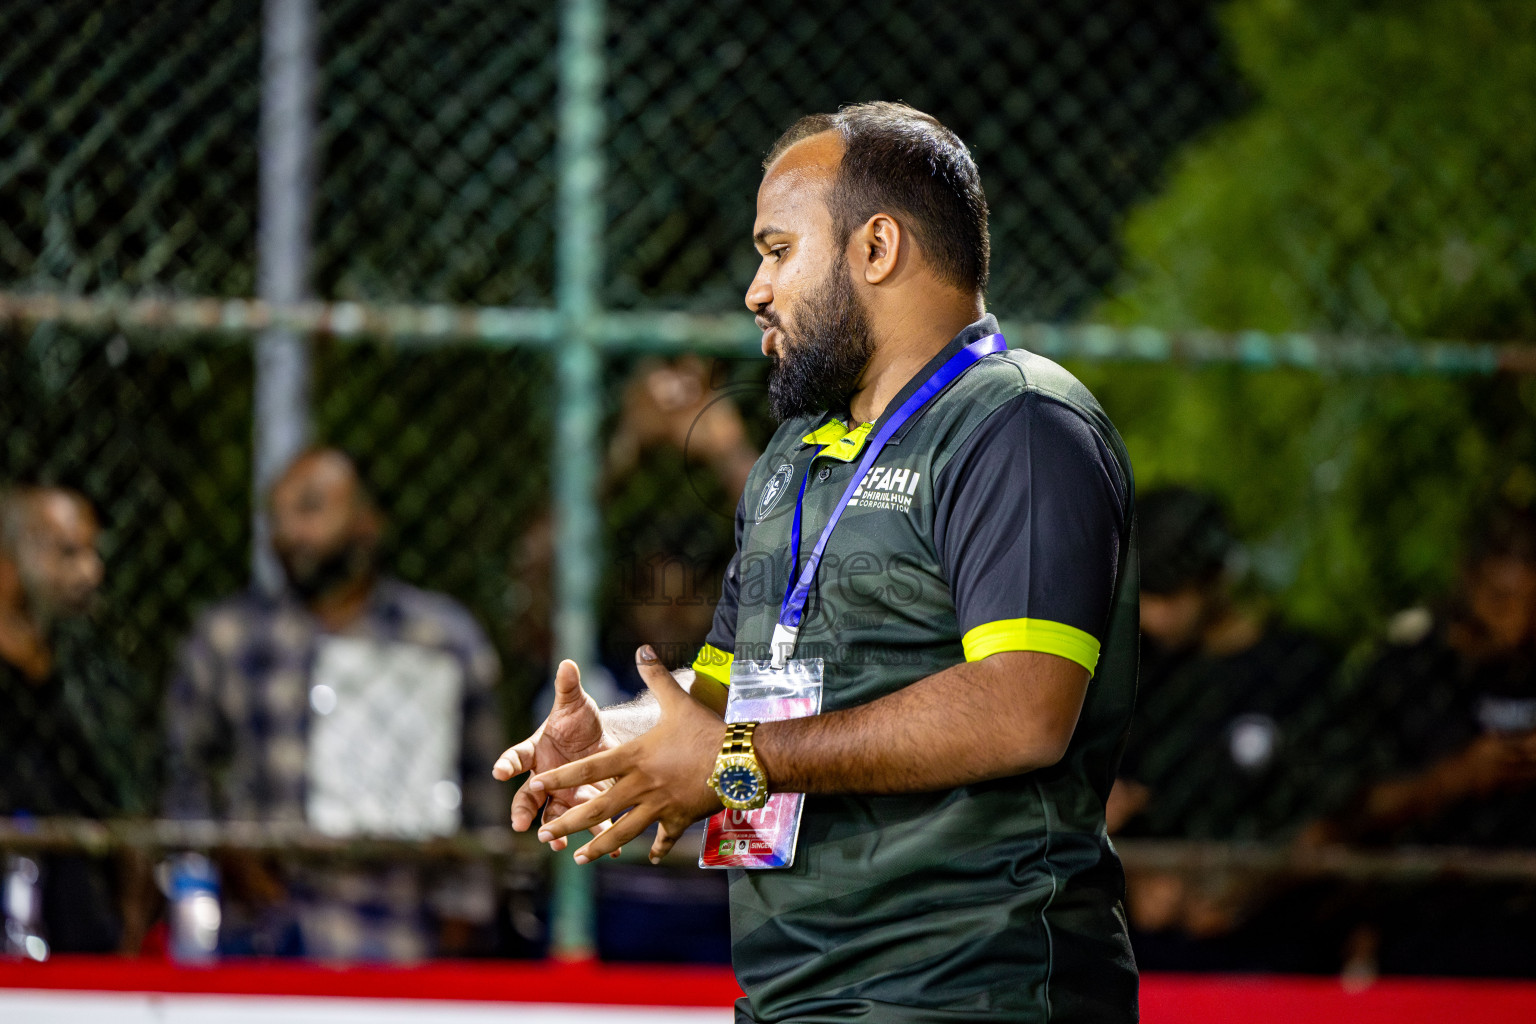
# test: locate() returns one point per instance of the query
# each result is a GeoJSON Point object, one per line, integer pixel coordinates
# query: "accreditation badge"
{"type": "Point", "coordinates": [766, 837]}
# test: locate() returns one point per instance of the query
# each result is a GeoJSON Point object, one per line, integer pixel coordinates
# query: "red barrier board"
{"type": "Point", "coordinates": [1263, 999]}
{"type": "Point", "coordinates": [1165, 999]}
{"type": "Point", "coordinates": [501, 981]}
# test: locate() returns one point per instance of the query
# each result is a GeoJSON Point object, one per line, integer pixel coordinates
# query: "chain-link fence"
{"type": "Point", "coordinates": [1309, 170]}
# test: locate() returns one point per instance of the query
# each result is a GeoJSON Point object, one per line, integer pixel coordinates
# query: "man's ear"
{"type": "Point", "coordinates": [879, 245]}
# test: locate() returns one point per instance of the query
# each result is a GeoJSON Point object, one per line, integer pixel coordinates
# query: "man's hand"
{"type": "Point", "coordinates": [572, 731]}
{"type": "Point", "coordinates": [660, 776]}
{"type": "Point", "coordinates": [1489, 764]}
{"type": "Point", "coordinates": [1493, 762]}
{"type": "Point", "coordinates": [1127, 798]}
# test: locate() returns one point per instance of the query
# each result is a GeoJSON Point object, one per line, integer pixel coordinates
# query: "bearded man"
{"type": "Point", "coordinates": [351, 702]}
{"type": "Point", "coordinates": [73, 723]}
{"type": "Point", "coordinates": [941, 533]}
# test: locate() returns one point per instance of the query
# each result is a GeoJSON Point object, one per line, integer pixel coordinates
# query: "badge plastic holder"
{"type": "Point", "coordinates": [764, 838]}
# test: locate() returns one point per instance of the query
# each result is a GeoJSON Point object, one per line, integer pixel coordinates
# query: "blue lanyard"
{"type": "Point", "coordinates": [799, 589]}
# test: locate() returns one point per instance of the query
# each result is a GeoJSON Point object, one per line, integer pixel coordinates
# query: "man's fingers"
{"type": "Point", "coordinates": [558, 805]}
{"type": "Point", "coordinates": [565, 799]}
{"type": "Point", "coordinates": [515, 760]}
{"type": "Point", "coordinates": [635, 821]}
{"type": "Point", "coordinates": [588, 770]}
{"type": "Point", "coordinates": [525, 807]}
{"type": "Point", "coordinates": [586, 793]}
{"type": "Point", "coordinates": [665, 840]}
{"type": "Point", "coordinates": [583, 816]}
{"type": "Point", "coordinates": [567, 684]}
{"type": "Point", "coordinates": [657, 679]}
{"type": "Point", "coordinates": [596, 830]}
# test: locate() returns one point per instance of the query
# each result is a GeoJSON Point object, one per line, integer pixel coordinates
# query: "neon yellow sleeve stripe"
{"type": "Point", "coordinates": [714, 663]}
{"type": "Point", "coordinates": [1032, 635]}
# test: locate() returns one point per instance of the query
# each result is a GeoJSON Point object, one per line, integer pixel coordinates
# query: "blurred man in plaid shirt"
{"type": "Point", "coordinates": [353, 703]}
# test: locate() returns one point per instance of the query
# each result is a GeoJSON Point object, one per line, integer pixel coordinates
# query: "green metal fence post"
{"type": "Point", "coordinates": [287, 161]}
{"type": "Point", "coordinates": [576, 459]}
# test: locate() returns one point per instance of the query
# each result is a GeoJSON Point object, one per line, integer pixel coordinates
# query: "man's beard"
{"type": "Point", "coordinates": [824, 354]}
{"type": "Point", "coordinates": [314, 577]}
{"type": "Point", "coordinates": [47, 607]}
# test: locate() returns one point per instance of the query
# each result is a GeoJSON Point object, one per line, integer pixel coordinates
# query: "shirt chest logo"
{"type": "Point", "coordinates": [887, 487]}
{"type": "Point", "coordinates": [773, 490]}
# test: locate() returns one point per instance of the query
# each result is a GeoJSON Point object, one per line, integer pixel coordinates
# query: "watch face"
{"type": "Point", "coordinates": [739, 784]}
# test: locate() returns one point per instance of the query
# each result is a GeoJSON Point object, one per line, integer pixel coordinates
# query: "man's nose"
{"type": "Point", "coordinates": [759, 293]}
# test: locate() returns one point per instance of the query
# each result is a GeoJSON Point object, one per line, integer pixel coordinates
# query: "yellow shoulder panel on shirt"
{"type": "Point", "coordinates": [1041, 635]}
{"type": "Point", "coordinates": [837, 441]}
{"type": "Point", "coordinates": [714, 663]}
{"type": "Point", "coordinates": [829, 432]}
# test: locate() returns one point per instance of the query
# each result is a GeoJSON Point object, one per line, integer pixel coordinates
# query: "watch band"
{"type": "Point", "coordinates": [738, 739]}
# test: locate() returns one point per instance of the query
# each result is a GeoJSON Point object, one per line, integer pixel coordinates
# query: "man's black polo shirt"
{"type": "Point", "coordinates": [998, 519]}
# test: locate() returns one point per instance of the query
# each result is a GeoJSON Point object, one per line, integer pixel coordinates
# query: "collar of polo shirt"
{"type": "Point", "coordinates": [837, 441]}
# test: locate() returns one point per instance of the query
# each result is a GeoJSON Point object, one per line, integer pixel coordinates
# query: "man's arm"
{"type": "Point", "coordinates": [623, 722]}
{"type": "Point", "coordinates": [636, 717]}
{"type": "Point", "coordinates": [1489, 763]}
{"type": "Point", "coordinates": [1029, 520]}
{"type": "Point", "coordinates": [1005, 715]}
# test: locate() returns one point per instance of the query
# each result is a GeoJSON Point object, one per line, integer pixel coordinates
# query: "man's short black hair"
{"type": "Point", "coordinates": [1504, 531]}
{"type": "Point", "coordinates": [1185, 539]}
{"type": "Point", "coordinates": [902, 161]}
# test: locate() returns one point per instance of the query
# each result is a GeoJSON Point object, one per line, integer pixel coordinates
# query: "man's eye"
{"type": "Point", "coordinates": [778, 251]}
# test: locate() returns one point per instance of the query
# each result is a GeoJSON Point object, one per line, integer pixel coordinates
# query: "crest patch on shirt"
{"type": "Point", "coordinates": [773, 490]}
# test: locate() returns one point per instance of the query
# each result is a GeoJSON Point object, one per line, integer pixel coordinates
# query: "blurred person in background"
{"type": "Point", "coordinates": [679, 451]}
{"type": "Point", "coordinates": [73, 720]}
{"type": "Point", "coordinates": [675, 467]}
{"type": "Point", "coordinates": [1441, 727]}
{"type": "Point", "coordinates": [1218, 743]}
{"type": "Point", "coordinates": [350, 701]}
{"type": "Point", "coordinates": [672, 406]}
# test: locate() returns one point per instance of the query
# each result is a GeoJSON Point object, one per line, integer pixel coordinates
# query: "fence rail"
{"type": "Point", "coordinates": [1412, 864]}
{"type": "Point", "coordinates": [734, 334]}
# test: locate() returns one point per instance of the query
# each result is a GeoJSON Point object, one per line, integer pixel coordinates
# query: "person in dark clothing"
{"type": "Point", "coordinates": [1218, 741]}
{"type": "Point", "coordinates": [73, 715]}
{"type": "Point", "coordinates": [1449, 707]}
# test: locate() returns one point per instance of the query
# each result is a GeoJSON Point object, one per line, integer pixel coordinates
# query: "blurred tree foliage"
{"type": "Point", "coordinates": [1383, 182]}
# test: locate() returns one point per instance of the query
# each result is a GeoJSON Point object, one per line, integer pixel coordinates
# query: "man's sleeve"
{"type": "Point", "coordinates": [1029, 517]}
{"type": "Point", "coordinates": [719, 649]}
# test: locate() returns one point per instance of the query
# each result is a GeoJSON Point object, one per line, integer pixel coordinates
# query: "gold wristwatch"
{"type": "Point", "coordinates": [738, 780]}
